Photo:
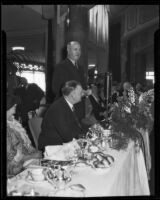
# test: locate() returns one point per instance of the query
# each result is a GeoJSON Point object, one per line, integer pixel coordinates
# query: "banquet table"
{"type": "Point", "coordinates": [126, 177]}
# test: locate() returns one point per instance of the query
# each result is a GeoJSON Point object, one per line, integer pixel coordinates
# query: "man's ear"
{"type": "Point", "coordinates": [68, 47]}
{"type": "Point", "coordinates": [72, 94]}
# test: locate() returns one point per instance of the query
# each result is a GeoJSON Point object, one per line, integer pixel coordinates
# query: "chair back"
{"type": "Point", "coordinates": [35, 128]}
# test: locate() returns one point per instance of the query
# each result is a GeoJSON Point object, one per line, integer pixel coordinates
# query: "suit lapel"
{"type": "Point", "coordinates": [73, 114]}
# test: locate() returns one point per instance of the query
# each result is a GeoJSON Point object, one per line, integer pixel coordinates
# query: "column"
{"type": "Point", "coordinates": [123, 60]}
{"type": "Point", "coordinates": [49, 14]}
{"type": "Point", "coordinates": [78, 30]}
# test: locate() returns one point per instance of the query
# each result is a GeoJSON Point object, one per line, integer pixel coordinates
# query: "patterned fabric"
{"type": "Point", "coordinates": [18, 145]}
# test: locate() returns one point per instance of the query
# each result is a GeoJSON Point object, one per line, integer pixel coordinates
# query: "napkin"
{"type": "Point", "coordinates": [106, 132]}
{"type": "Point", "coordinates": [68, 192]}
{"type": "Point", "coordinates": [61, 152]}
{"type": "Point", "coordinates": [54, 152]}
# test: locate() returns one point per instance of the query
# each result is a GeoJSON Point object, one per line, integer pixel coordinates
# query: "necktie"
{"type": "Point", "coordinates": [75, 116]}
{"type": "Point", "coordinates": [76, 65]}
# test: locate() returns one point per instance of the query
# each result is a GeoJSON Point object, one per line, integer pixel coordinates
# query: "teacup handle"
{"type": "Point", "coordinates": [29, 175]}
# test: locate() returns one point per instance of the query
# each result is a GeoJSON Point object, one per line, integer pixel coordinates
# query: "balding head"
{"type": "Point", "coordinates": [72, 90]}
{"type": "Point", "coordinates": [74, 50]}
{"type": "Point", "coordinates": [126, 86]}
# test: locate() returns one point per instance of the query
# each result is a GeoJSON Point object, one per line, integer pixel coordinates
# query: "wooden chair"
{"type": "Point", "coordinates": [35, 128]}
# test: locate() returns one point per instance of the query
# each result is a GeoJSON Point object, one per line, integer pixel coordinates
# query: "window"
{"type": "Point", "coordinates": [34, 77]}
{"type": "Point", "coordinates": [150, 75]}
{"type": "Point", "coordinates": [33, 73]}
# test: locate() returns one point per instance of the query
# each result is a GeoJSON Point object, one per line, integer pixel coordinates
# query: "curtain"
{"type": "Point", "coordinates": [98, 25]}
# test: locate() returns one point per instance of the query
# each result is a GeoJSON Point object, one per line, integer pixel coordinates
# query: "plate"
{"type": "Point", "coordinates": [68, 192]}
{"type": "Point", "coordinates": [102, 170]}
{"type": "Point", "coordinates": [33, 181]}
{"type": "Point", "coordinates": [35, 167]}
{"type": "Point", "coordinates": [82, 164]}
{"type": "Point", "coordinates": [93, 149]}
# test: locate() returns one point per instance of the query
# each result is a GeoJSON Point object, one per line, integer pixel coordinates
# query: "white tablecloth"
{"type": "Point", "coordinates": [126, 177]}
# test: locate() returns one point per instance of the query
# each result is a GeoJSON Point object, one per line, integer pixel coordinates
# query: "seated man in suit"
{"type": "Point", "coordinates": [60, 124]}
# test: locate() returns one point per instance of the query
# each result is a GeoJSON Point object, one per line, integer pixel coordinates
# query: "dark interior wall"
{"type": "Point", "coordinates": [140, 68]}
{"type": "Point", "coordinates": [4, 58]}
{"type": "Point", "coordinates": [49, 64]}
{"type": "Point", "coordinates": [157, 53]}
{"type": "Point", "coordinates": [114, 51]}
{"type": "Point", "coordinates": [128, 70]}
{"type": "Point", "coordinates": [140, 54]}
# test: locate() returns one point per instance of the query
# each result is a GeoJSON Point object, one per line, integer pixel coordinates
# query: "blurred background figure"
{"type": "Point", "coordinates": [114, 92]}
{"type": "Point", "coordinates": [139, 89]}
{"type": "Point", "coordinates": [97, 108]}
{"type": "Point", "coordinates": [13, 81]}
{"type": "Point", "coordinates": [126, 87]}
{"type": "Point", "coordinates": [148, 85]}
{"type": "Point", "coordinates": [120, 89]}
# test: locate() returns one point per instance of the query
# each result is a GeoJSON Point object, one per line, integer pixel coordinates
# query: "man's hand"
{"type": "Point", "coordinates": [19, 155]}
{"type": "Point", "coordinates": [87, 92]}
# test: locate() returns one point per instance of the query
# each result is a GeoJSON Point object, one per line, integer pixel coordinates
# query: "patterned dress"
{"type": "Point", "coordinates": [18, 145]}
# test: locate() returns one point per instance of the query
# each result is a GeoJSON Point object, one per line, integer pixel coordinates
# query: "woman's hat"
{"type": "Point", "coordinates": [11, 101]}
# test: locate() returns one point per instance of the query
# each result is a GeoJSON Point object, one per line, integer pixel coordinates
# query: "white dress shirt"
{"type": "Point", "coordinates": [74, 62]}
{"type": "Point", "coordinates": [70, 104]}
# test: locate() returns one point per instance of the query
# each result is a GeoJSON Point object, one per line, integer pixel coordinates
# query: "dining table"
{"type": "Point", "coordinates": [127, 176]}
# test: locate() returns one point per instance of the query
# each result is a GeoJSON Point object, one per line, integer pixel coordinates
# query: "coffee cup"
{"type": "Point", "coordinates": [37, 174]}
{"type": "Point", "coordinates": [107, 132]}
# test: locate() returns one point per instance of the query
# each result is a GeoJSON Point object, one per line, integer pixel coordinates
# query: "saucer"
{"type": "Point", "coordinates": [101, 170]}
{"type": "Point", "coordinates": [34, 181]}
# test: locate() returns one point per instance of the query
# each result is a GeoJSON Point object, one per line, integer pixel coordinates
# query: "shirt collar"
{"type": "Point", "coordinates": [70, 104]}
{"type": "Point", "coordinates": [95, 97]}
{"type": "Point", "coordinates": [73, 61]}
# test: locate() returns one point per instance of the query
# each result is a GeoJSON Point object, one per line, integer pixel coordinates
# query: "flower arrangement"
{"type": "Point", "coordinates": [132, 114]}
{"type": "Point", "coordinates": [95, 131]}
{"type": "Point", "coordinates": [143, 118]}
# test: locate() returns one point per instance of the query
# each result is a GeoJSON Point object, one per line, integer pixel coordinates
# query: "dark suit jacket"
{"type": "Point", "coordinates": [66, 71]}
{"type": "Point", "coordinates": [97, 108]}
{"type": "Point", "coordinates": [59, 125]}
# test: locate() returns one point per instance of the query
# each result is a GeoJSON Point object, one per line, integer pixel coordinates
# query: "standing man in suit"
{"type": "Point", "coordinates": [69, 69]}
{"type": "Point", "coordinates": [60, 124]}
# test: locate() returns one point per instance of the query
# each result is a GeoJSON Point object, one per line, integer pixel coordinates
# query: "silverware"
{"type": "Point", "coordinates": [78, 187]}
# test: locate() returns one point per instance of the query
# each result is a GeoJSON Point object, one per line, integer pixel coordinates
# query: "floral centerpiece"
{"type": "Point", "coordinates": [132, 114]}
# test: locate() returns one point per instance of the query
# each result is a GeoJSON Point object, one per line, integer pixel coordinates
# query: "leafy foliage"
{"type": "Point", "coordinates": [129, 115]}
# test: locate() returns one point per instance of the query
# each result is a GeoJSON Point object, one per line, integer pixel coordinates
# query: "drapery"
{"type": "Point", "coordinates": [98, 25]}
{"type": "Point", "coordinates": [147, 155]}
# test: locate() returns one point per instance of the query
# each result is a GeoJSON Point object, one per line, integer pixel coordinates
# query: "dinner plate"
{"type": "Point", "coordinates": [93, 149]}
{"type": "Point", "coordinates": [33, 181]}
{"type": "Point", "coordinates": [82, 164]}
{"type": "Point", "coordinates": [68, 192]}
{"type": "Point", "coordinates": [35, 167]}
{"type": "Point", "coordinates": [101, 170]}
